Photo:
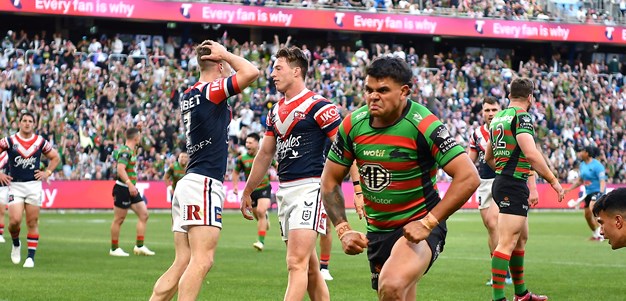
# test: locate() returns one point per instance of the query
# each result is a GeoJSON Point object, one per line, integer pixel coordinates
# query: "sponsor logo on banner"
{"type": "Point", "coordinates": [339, 19]}
{"type": "Point", "coordinates": [608, 33]}
{"type": "Point", "coordinates": [184, 10]}
{"type": "Point", "coordinates": [478, 26]}
{"type": "Point", "coordinates": [16, 3]}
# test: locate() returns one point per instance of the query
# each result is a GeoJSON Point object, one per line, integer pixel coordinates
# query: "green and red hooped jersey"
{"type": "Point", "coordinates": [126, 156]}
{"type": "Point", "coordinates": [397, 164]}
{"type": "Point", "coordinates": [505, 126]}
{"type": "Point", "coordinates": [244, 163]}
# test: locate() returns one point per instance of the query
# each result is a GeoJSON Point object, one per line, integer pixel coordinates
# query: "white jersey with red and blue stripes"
{"type": "Point", "coordinates": [478, 142]}
{"type": "Point", "coordinates": [24, 155]}
{"type": "Point", "coordinates": [206, 116]}
{"type": "Point", "coordinates": [301, 126]}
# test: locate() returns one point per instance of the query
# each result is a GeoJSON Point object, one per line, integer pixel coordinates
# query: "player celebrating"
{"type": "Point", "coordinates": [261, 195]}
{"type": "Point", "coordinates": [398, 145]}
{"type": "Point", "coordinates": [199, 195]}
{"type": "Point", "coordinates": [512, 154]}
{"type": "Point", "coordinates": [592, 175]}
{"type": "Point", "coordinates": [478, 142]}
{"type": "Point", "coordinates": [176, 171]}
{"type": "Point", "coordinates": [126, 197]}
{"type": "Point", "coordinates": [25, 193]}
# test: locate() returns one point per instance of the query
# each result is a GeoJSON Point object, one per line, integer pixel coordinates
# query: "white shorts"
{"type": "Point", "coordinates": [30, 192]}
{"type": "Point", "coordinates": [484, 195]}
{"type": "Point", "coordinates": [198, 201]}
{"type": "Point", "coordinates": [300, 207]}
{"type": "Point", "coordinates": [4, 194]}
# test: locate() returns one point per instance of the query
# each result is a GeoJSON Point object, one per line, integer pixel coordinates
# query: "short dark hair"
{"type": "Point", "coordinates": [521, 87]}
{"type": "Point", "coordinates": [490, 100]}
{"type": "Point", "coordinates": [592, 151]}
{"type": "Point", "coordinates": [254, 136]}
{"type": "Point", "coordinates": [392, 67]}
{"type": "Point", "coordinates": [132, 133]}
{"type": "Point", "coordinates": [614, 202]}
{"type": "Point", "coordinates": [27, 113]}
{"type": "Point", "coordinates": [295, 58]}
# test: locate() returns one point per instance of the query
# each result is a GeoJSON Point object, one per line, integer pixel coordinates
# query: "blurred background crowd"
{"type": "Point", "coordinates": [86, 92]}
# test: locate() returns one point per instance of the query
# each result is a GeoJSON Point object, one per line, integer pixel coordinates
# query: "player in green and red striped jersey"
{"type": "Point", "coordinates": [261, 195]}
{"type": "Point", "coordinates": [513, 155]}
{"type": "Point", "coordinates": [398, 146]}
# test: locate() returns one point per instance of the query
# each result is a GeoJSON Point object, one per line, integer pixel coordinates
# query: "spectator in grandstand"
{"type": "Point", "coordinates": [206, 116]}
{"type": "Point", "coordinates": [592, 174]}
{"type": "Point", "coordinates": [126, 196]}
{"type": "Point", "coordinates": [610, 211]}
{"type": "Point", "coordinates": [261, 195]}
{"type": "Point", "coordinates": [402, 243]}
{"type": "Point", "coordinates": [24, 150]}
{"type": "Point", "coordinates": [298, 127]}
{"type": "Point", "coordinates": [478, 143]}
{"type": "Point", "coordinates": [512, 129]}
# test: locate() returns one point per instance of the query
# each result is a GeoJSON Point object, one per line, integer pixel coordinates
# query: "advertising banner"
{"type": "Point", "coordinates": [321, 19]}
{"type": "Point", "coordinates": [98, 195]}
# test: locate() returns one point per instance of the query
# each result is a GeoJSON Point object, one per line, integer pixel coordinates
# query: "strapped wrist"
{"type": "Point", "coordinates": [356, 183]}
{"type": "Point", "coordinates": [429, 221]}
{"type": "Point", "coordinates": [342, 229]}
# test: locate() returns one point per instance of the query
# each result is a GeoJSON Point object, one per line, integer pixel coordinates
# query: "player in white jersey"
{"type": "Point", "coordinates": [199, 195]}
{"type": "Point", "coordinates": [25, 189]}
{"type": "Point", "coordinates": [298, 126]}
{"type": "Point", "coordinates": [5, 179]}
{"type": "Point", "coordinates": [478, 143]}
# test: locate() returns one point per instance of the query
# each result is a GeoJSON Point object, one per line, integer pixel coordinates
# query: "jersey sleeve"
{"type": "Point", "coordinates": [328, 118]}
{"type": "Point", "coordinates": [269, 121]}
{"type": "Point", "coordinates": [239, 164]}
{"type": "Point", "coordinates": [341, 150]}
{"type": "Point", "coordinates": [524, 124]}
{"type": "Point", "coordinates": [46, 147]}
{"type": "Point", "coordinates": [221, 89]}
{"type": "Point", "coordinates": [123, 157]}
{"type": "Point", "coordinates": [443, 146]}
{"type": "Point", "coordinates": [600, 171]}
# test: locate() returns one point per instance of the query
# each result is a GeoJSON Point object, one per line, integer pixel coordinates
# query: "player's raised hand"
{"type": "Point", "coordinates": [216, 51]}
{"type": "Point", "coordinates": [246, 206]}
{"type": "Point", "coordinates": [353, 242]}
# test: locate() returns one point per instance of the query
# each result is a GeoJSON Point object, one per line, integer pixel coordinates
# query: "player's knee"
{"type": "Point", "coordinates": [144, 216]}
{"type": "Point", "coordinates": [294, 263]}
{"type": "Point", "coordinates": [390, 289]}
{"type": "Point", "coordinates": [32, 222]}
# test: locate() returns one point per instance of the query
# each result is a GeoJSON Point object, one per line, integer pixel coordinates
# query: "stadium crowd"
{"type": "Point", "coordinates": [86, 93]}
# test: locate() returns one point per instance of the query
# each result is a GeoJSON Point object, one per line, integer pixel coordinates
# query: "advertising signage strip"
{"type": "Point", "coordinates": [320, 19]}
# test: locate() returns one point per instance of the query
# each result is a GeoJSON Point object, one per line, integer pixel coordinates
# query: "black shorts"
{"type": "Point", "coordinates": [511, 195]}
{"type": "Point", "coordinates": [381, 243]}
{"type": "Point", "coordinates": [592, 197]}
{"type": "Point", "coordinates": [122, 198]}
{"type": "Point", "coordinates": [265, 193]}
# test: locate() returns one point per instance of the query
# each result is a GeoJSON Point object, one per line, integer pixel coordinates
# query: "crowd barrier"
{"type": "Point", "coordinates": [98, 195]}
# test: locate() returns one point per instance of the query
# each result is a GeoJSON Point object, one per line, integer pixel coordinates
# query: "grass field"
{"type": "Point", "coordinates": [72, 262]}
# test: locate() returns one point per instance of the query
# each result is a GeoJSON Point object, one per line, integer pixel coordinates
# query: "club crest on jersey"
{"type": "Point", "coordinates": [299, 115]}
{"type": "Point", "coordinates": [526, 119]}
{"type": "Point", "coordinates": [16, 146]}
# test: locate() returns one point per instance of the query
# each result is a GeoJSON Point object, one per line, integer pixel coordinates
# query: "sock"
{"type": "Point", "coordinates": [499, 265]}
{"type": "Point", "coordinates": [16, 237]}
{"type": "Point", "coordinates": [517, 272]}
{"type": "Point", "coordinates": [262, 236]}
{"type": "Point", "coordinates": [1, 228]}
{"type": "Point", "coordinates": [139, 241]}
{"type": "Point", "coordinates": [324, 259]}
{"type": "Point", "coordinates": [114, 244]}
{"type": "Point", "coordinates": [33, 241]}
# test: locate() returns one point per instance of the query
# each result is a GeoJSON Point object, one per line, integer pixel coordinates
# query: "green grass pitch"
{"type": "Point", "coordinates": [72, 262]}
